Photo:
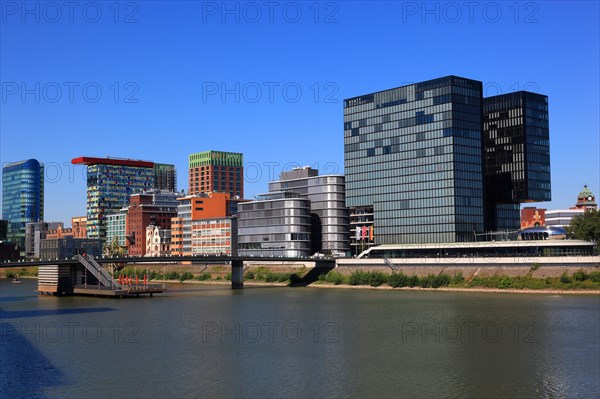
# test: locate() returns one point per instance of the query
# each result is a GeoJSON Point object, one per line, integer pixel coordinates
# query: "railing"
{"type": "Point", "coordinates": [389, 263]}
{"type": "Point", "coordinates": [98, 271]}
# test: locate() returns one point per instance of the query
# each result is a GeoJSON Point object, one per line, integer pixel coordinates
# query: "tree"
{"type": "Point", "coordinates": [586, 226]}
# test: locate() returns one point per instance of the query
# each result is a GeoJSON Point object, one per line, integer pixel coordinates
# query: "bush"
{"type": "Point", "coordinates": [186, 276]}
{"type": "Point", "coordinates": [295, 279]}
{"type": "Point", "coordinates": [595, 277]}
{"type": "Point", "coordinates": [565, 279]}
{"type": "Point", "coordinates": [172, 276]}
{"type": "Point", "coordinates": [535, 266]}
{"type": "Point", "coordinates": [426, 282]}
{"type": "Point", "coordinates": [228, 277]}
{"type": "Point", "coordinates": [377, 278]}
{"type": "Point", "coordinates": [10, 275]}
{"type": "Point", "coordinates": [283, 277]}
{"type": "Point", "coordinates": [458, 278]}
{"type": "Point", "coordinates": [334, 277]}
{"type": "Point", "coordinates": [203, 276]}
{"type": "Point", "coordinates": [398, 280]}
{"type": "Point", "coordinates": [442, 280]}
{"type": "Point", "coordinates": [413, 281]}
{"type": "Point", "coordinates": [580, 275]}
{"type": "Point", "coordinates": [322, 277]}
{"type": "Point", "coordinates": [249, 275]}
{"type": "Point", "coordinates": [155, 276]}
{"type": "Point", "coordinates": [359, 277]}
{"type": "Point", "coordinates": [506, 282]}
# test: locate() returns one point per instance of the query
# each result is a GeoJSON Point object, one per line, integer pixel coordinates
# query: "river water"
{"type": "Point", "coordinates": [211, 341]}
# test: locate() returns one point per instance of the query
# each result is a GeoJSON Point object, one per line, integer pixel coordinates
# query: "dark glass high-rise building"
{"type": "Point", "coordinates": [517, 156]}
{"type": "Point", "coordinates": [22, 197]}
{"type": "Point", "coordinates": [413, 163]}
{"type": "Point", "coordinates": [165, 177]}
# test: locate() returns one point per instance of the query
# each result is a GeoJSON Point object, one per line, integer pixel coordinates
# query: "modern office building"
{"type": "Point", "coordinates": [517, 156]}
{"type": "Point", "coordinates": [154, 207]}
{"type": "Point", "coordinates": [192, 208]}
{"type": "Point", "coordinates": [562, 217]}
{"type": "Point", "coordinates": [22, 198]}
{"type": "Point", "coordinates": [436, 162]}
{"type": "Point", "coordinates": [276, 224]}
{"type": "Point", "coordinates": [217, 171]}
{"type": "Point", "coordinates": [67, 247]}
{"type": "Point", "coordinates": [116, 230]}
{"type": "Point", "coordinates": [165, 177]}
{"type": "Point", "coordinates": [79, 224]}
{"type": "Point", "coordinates": [413, 159]}
{"type": "Point", "coordinates": [216, 236]}
{"type": "Point", "coordinates": [34, 233]}
{"type": "Point", "coordinates": [330, 232]}
{"type": "Point", "coordinates": [110, 183]}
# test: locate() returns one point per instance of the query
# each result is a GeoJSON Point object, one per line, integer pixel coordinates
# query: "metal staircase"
{"type": "Point", "coordinates": [390, 264]}
{"type": "Point", "coordinates": [98, 271]}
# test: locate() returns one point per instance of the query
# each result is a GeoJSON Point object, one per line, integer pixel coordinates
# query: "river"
{"type": "Point", "coordinates": [211, 341]}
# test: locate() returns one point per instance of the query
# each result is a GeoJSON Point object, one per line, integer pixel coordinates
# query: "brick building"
{"type": "Point", "coordinates": [154, 207]}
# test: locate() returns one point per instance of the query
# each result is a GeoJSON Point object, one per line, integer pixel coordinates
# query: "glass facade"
{"type": "Point", "coordinates": [108, 190]}
{"type": "Point", "coordinates": [115, 228]}
{"type": "Point", "coordinates": [329, 214]}
{"type": "Point", "coordinates": [165, 177]}
{"type": "Point", "coordinates": [214, 236]}
{"type": "Point", "coordinates": [414, 155]}
{"type": "Point", "coordinates": [22, 198]}
{"type": "Point", "coordinates": [517, 155]}
{"type": "Point", "coordinates": [277, 224]}
{"type": "Point", "coordinates": [34, 233]}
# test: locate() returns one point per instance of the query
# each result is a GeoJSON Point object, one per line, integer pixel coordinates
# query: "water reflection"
{"type": "Point", "coordinates": [307, 342]}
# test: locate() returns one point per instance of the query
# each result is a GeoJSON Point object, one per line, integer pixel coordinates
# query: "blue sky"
{"type": "Point", "coordinates": [157, 81]}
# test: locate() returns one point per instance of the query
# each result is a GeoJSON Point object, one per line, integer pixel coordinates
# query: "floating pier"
{"type": "Point", "coordinates": [87, 277]}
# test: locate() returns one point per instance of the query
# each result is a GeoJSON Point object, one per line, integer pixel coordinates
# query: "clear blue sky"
{"type": "Point", "coordinates": [162, 76]}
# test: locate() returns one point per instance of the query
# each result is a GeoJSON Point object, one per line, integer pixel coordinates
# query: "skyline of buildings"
{"type": "Point", "coordinates": [433, 161]}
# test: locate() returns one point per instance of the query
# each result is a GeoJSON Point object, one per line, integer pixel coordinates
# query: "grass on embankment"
{"type": "Point", "coordinates": [12, 272]}
{"type": "Point", "coordinates": [576, 281]}
{"type": "Point", "coordinates": [257, 274]}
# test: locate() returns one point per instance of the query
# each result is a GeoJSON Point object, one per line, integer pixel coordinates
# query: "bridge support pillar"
{"type": "Point", "coordinates": [237, 274]}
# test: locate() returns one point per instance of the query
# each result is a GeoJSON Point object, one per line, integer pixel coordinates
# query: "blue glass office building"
{"type": "Point", "coordinates": [413, 162]}
{"type": "Point", "coordinates": [22, 197]}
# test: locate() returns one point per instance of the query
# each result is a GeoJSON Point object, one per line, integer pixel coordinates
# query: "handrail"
{"type": "Point", "coordinates": [98, 271]}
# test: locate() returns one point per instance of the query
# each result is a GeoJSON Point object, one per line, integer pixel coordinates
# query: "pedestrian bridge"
{"type": "Point", "coordinates": [65, 273]}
